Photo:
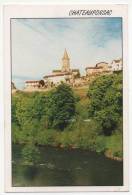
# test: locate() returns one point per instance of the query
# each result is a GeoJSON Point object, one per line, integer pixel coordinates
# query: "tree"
{"type": "Point", "coordinates": [61, 106]}
{"type": "Point", "coordinates": [28, 116]}
{"type": "Point", "coordinates": [105, 105]}
{"type": "Point", "coordinates": [13, 110]}
{"type": "Point", "coordinates": [41, 83]}
{"type": "Point", "coordinates": [30, 107]}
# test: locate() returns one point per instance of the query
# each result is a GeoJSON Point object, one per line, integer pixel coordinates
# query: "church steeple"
{"type": "Point", "coordinates": [65, 62]}
{"type": "Point", "coordinates": [65, 56]}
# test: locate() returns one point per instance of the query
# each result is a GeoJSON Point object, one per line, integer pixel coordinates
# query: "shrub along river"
{"type": "Point", "coordinates": [64, 167]}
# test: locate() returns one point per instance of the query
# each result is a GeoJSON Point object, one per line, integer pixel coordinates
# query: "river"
{"type": "Point", "coordinates": [63, 167]}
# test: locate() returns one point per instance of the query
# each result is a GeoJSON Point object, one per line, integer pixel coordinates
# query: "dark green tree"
{"type": "Point", "coordinates": [28, 115]}
{"type": "Point", "coordinates": [105, 105]}
{"type": "Point", "coordinates": [30, 107]}
{"type": "Point", "coordinates": [61, 107]}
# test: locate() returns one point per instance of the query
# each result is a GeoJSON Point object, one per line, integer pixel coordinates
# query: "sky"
{"type": "Point", "coordinates": [38, 45]}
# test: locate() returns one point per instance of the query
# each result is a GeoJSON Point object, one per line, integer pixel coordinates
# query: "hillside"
{"type": "Point", "coordinates": [86, 117]}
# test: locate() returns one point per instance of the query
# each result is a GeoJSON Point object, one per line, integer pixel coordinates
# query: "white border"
{"type": "Point", "coordinates": [58, 11]}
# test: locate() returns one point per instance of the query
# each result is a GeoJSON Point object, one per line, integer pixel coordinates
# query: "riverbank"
{"type": "Point", "coordinates": [82, 140]}
{"type": "Point", "coordinates": [107, 153]}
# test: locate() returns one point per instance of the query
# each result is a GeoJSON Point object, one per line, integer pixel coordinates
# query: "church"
{"type": "Point", "coordinates": [65, 74]}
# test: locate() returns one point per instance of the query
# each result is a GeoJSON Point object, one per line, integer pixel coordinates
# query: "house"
{"type": "Point", "coordinates": [101, 67]}
{"type": "Point", "coordinates": [56, 79]}
{"type": "Point", "coordinates": [116, 65]}
{"type": "Point", "coordinates": [32, 84]}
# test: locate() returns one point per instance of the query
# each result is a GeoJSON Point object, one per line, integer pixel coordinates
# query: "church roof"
{"type": "Point", "coordinates": [101, 63]}
{"type": "Point", "coordinates": [56, 71]}
{"type": "Point", "coordinates": [65, 56]}
{"type": "Point", "coordinates": [117, 61]}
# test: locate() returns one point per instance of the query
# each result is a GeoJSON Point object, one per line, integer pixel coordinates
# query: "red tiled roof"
{"type": "Point", "coordinates": [56, 71]}
{"type": "Point", "coordinates": [31, 81]}
{"type": "Point", "coordinates": [101, 63]}
{"type": "Point", "coordinates": [117, 61]}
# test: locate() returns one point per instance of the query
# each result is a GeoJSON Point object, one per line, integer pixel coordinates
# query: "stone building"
{"type": "Point", "coordinates": [65, 74]}
{"type": "Point", "coordinates": [101, 67]}
{"type": "Point", "coordinates": [32, 84]}
{"type": "Point", "coordinates": [116, 65]}
{"type": "Point", "coordinates": [72, 76]}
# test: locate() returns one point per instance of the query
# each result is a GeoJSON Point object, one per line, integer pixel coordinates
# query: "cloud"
{"type": "Point", "coordinates": [38, 44]}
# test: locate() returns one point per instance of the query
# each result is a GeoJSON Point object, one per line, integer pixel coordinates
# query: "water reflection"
{"type": "Point", "coordinates": [61, 167]}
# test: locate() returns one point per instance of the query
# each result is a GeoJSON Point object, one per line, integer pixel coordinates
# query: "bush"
{"type": "Point", "coordinates": [100, 144]}
{"type": "Point", "coordinates": [115, 145]}
{"type": "Point", "coordinates": [65, 139]}
{"type": "Point", "coordinates": [47, 137]}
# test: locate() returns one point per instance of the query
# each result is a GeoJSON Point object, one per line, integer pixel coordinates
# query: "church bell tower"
{"type": "Point", "coordinates": [65, 62]}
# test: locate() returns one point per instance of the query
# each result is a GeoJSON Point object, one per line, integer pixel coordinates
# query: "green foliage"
{"type": "Point", "coordinates": [61, 107]}
{"type": "Point", "coordinates": [114, 145]}
{"type": "Point", "coordinates": [100, 144]}
{"type": "Point", "coordinates": [105, 105]}
{"type": "Point", "coordinates": [30, 107]}
{"type": "Point", "coordinates": [28, 116]}
{"type": "Point", "coordinates": [13, 109]}
{"type": "Point", "coordinates": [80, 134]}
{"type": "Point", "coordinates": [47, 137]}
{"type": "Point", "coordinates": [16, 133]}
{"type": "Point", "coordinates": [34, 114]}
{"type": "Point", "coordinates": [81, 108]}
{"type": "Point", "coordinates": [66, 119]}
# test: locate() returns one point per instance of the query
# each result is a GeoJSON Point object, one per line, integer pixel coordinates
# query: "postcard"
{"type": "Point", "coordinates": [66, 121]}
